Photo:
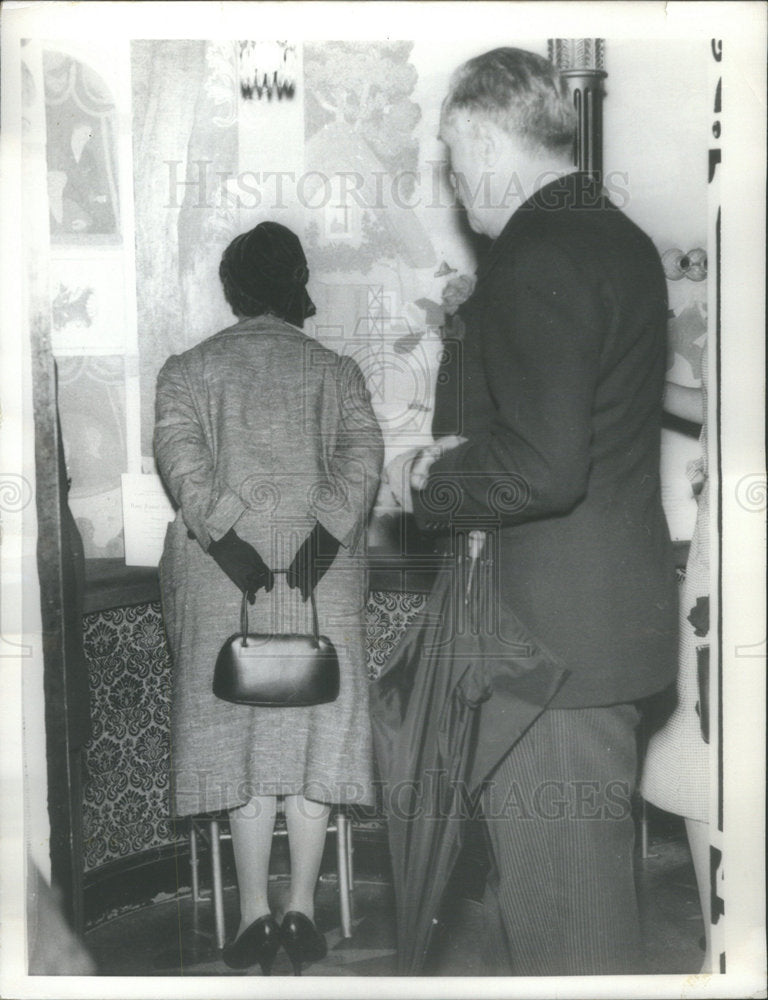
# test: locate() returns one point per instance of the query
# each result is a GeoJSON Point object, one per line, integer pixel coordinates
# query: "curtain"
{"type": "Point", "coordinates": [185, 146]}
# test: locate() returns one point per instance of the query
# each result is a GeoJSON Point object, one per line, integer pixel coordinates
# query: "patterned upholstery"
{"type": "Point", "coordinates": [126, 760]}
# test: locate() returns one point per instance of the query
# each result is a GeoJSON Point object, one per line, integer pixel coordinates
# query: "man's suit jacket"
{"type": "Point", "coordinates": [558, 387]}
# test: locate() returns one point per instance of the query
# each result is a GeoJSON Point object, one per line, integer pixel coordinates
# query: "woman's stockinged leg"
{"type": "Point", "coordinates": [698, 841]}
{"type": "Point", "coordinates": [252, 826]}
{"type": "Point", "coordinates": [307, 824]}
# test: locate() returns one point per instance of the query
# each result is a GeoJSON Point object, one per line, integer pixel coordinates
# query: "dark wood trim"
{"type": "Point", "coordinates": [62, 753]}
{"type": "Point", "coordinates": [136, 881]}
{"type": "Point", "coordinates": [112, 584]}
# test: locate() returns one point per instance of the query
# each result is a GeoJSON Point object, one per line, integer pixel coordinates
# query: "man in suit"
{"type": "Point", "coordinates": [559, 383]}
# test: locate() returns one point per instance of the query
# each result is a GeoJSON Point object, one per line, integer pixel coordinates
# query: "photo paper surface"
{"type": "Point", "coordinates": [139, 142]}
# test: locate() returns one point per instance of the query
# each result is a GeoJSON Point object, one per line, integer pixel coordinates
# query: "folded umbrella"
{"type": "Point", "coordinates": [462, 686]}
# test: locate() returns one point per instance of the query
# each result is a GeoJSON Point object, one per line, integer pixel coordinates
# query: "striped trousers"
{"type": "Point", "coordinates": [560, 899]}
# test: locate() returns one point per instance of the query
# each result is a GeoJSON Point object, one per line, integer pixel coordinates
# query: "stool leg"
{"type": "Point", "coordinates": [350, 866]}
{"type": "Point", "coordinates": [218, 896]}
{"type": "Point", "coordinates": [342, 861]}
{"type": "Point", "coordinates": [643, 829]}
{"type": "Point", "coordinates": [194, 862]}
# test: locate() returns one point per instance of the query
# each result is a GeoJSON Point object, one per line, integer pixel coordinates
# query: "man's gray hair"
{"type": "Point", "coordinates": [521, 92]}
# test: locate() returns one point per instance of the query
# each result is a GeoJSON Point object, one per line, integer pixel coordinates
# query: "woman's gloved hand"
{"type": "Point", "coordinates": [242, 564]}
{"type": "Point", "coordinates": [312, 561]}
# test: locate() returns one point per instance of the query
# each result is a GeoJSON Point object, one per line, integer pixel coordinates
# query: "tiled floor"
{"type": "Point", "coordinates": [173, 937]}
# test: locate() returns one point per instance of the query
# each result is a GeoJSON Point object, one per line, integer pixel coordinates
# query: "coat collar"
{"type": "Point", "coordinates": [261, 324]}
{"type": "Point", "coordinates": [577, 190]}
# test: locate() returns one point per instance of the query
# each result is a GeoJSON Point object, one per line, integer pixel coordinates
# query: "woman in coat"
{"type": "Point", "coordinates": [268, 444]}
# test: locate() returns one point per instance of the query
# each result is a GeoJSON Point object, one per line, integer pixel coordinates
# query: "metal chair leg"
{"type": "Point", "coordinates": [343, 866]}
{"type": "Point", "coordinates": [218, 895]}
{"type": "Point", "coordinates": [194, 862]}
{"type": "Point", "coordinates": [643, 829]}
{"type": "Point", "coordinates": [350, 866]}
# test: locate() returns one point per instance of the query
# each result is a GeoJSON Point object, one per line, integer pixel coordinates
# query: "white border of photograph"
{"type": "Point", "coordinates": [741, 25]}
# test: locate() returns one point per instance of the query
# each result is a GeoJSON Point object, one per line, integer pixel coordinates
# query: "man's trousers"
{"type": "Point", "coordinates": [561, 898]}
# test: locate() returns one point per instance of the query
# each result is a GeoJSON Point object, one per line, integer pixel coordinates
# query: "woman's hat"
{"type": "Point", "coordinates": [265, 270]}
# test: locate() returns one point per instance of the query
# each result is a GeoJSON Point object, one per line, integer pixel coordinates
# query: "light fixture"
{"type": "Point", "coordinates": [267, 69]}
{"type": "Point", "coordinates": [581, 62]}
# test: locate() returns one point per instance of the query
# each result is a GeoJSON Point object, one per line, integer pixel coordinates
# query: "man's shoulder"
{"type": "Point", "coordinates": [541, 243]}
{"type": "Point", "coordinates": [585, 214]}
{"type": "Point", "coordinates": [590, 235]}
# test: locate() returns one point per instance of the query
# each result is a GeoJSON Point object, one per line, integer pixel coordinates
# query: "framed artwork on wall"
{"type": "Point", "coordinates": [81, 152]}
{"type": "Point", "coordinates": [88, 304]}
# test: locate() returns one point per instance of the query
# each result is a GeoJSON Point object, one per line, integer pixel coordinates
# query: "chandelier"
{"type": "Point", "coordinates": [267, 69]}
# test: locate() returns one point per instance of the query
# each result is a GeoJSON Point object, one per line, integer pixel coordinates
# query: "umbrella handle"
{"type": "Point", "coordinates": [476, 543]}
{"type": "Point", "coordinates": [469, 580]}
{"type": "Point", "coordinates": [475, 547]}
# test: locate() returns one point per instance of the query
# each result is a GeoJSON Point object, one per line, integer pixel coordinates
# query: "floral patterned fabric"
{"type": "Point", "coordinates": [125, 788]}
{"type": "Point", "coordinates": [388, 614]}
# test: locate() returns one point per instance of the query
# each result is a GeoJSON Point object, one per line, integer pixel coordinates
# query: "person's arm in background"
{"type": "Point", "coordinates": [685, 402]}
{"type": "Point", "coordinates": [541, 364]}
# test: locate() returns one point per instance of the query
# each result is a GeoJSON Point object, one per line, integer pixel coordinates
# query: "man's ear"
{"type": "Point", "coordinates": [489, 139]}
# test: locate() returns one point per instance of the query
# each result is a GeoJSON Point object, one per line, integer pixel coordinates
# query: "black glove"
{"type": "Point", "coordinates": [312, 561]}
{"type": "Point", "coordinates": [242, 564]}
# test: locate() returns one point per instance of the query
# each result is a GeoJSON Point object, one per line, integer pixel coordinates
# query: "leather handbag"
{"type": "Point", "coordinates": [278, 671]}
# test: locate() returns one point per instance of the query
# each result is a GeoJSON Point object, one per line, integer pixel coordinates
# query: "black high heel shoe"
{"type": "Point", "coordinates": [259, 942]}
{"type": "Point", "coordinates": [302, 940]}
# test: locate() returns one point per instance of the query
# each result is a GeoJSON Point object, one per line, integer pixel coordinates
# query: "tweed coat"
{"type": "Point", "coordinates": [261, 429]}
{"type": "Point", "coordinates": [558, 386]}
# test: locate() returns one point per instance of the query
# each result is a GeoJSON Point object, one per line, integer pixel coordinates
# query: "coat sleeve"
{"type": "Point", "coordinates": [542, 333]}
{"type": "Point", "coordinates": [185, 460]}
{"type": "Point", "coordinates": [355, 460]}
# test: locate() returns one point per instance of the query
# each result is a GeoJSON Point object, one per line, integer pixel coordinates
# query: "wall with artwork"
{"type": "Point", "coordinates": [91, 270]}
{"type": "Point", "coordinates": [159, 152]}
{"type": "Point", "coordinates": [667, 195]}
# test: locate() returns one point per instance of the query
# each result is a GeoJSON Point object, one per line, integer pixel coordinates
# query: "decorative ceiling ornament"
{"type": "Point", "coordinates": [267, 69]}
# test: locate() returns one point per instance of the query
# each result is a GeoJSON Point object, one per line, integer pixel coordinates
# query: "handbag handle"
{"type": "Point", "coordinates": [244, 613]}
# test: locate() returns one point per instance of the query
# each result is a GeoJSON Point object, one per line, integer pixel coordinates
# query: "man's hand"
{"type": "Point", "coordinates": [397, 476]}
{"type": "Point", "coordinates": [429, 455]}
{"type": "Point", "coordinates": [409, 471]}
